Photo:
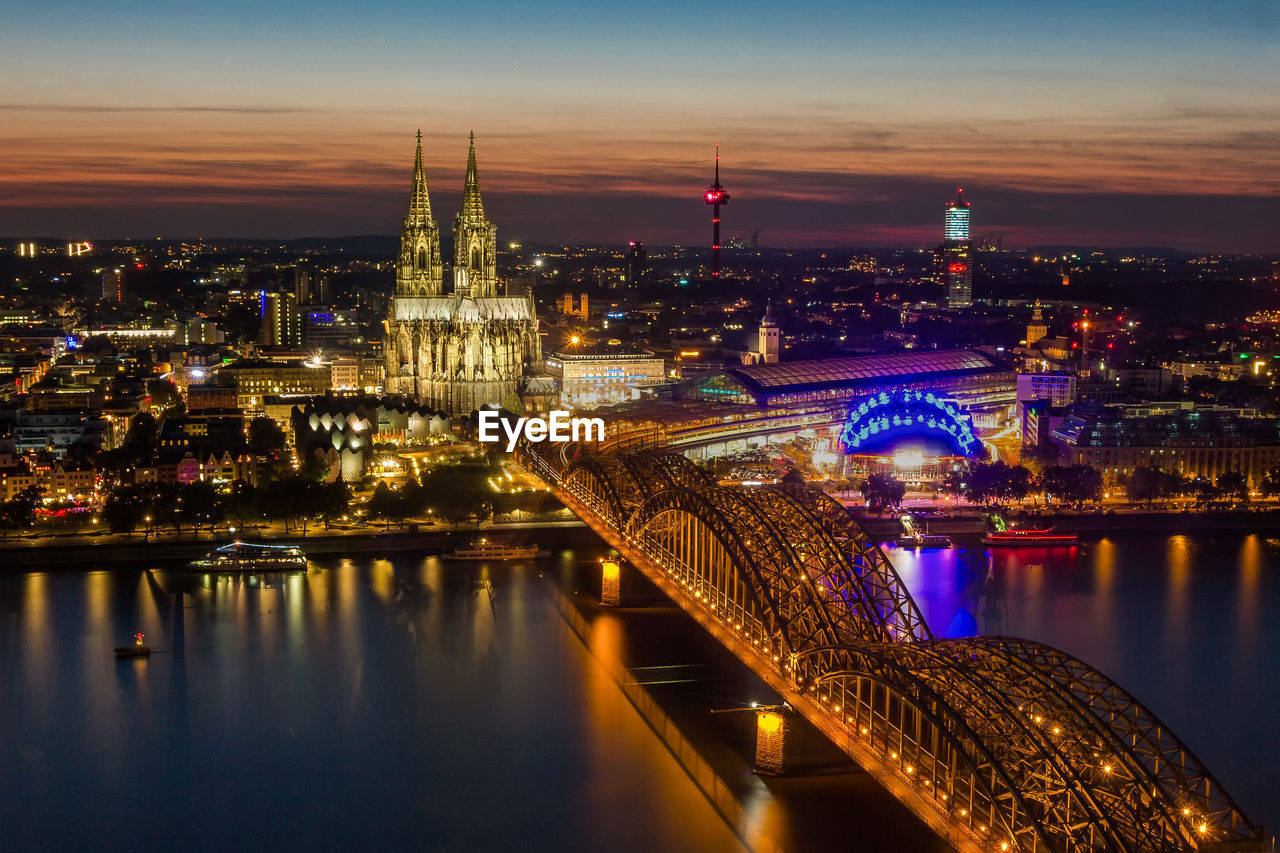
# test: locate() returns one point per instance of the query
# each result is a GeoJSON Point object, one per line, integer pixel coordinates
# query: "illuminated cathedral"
{"type": "Point", "coordinates": [460, 350]}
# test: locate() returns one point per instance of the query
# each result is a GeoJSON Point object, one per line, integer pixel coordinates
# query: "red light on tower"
{"type": "Point", "coordinates": [715, 196]}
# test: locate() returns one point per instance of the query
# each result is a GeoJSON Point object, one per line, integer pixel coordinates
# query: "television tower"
{"type": "Point", "coordinates": [716, 196]}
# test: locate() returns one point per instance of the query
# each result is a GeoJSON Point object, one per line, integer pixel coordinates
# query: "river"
{"type": "Point", "coordinates": [425, 705]}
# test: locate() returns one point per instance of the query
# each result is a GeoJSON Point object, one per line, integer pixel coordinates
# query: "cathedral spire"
{"type": "Point", "coordinates": [472, 205]}
{"type": "Point", "coordinates": [419, 200]}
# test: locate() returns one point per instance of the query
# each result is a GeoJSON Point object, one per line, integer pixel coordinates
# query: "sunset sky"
{"type": "Point", "coordinates": [1139, 123]}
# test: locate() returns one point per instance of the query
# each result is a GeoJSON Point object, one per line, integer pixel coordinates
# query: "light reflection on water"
{"type": "Point", "coordinates": [1185, 623]}
{"type": "Point", "coordinates": [373, 704]}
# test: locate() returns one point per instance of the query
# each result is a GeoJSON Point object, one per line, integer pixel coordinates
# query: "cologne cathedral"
{"type": "Point", "coordinates": [460, 350]}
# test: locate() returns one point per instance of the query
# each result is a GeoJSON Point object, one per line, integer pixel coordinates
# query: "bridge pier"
{"type": "Point", "coordinates": [610, 582]}
{"type": "Point", "coordinates": [771, 741]}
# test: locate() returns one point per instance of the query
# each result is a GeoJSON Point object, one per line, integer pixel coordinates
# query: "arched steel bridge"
{"type": "Point", "coordinates": [998, 744]}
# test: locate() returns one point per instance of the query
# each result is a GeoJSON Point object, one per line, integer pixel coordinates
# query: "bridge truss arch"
{"type": "Point", "coordinates": [1001, 744]}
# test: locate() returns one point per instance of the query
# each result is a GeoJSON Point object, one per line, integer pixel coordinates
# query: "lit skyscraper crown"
{"type": "Point", "coordinates": [956, 226]}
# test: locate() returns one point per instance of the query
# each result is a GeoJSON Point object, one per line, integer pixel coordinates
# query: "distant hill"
{"type": "Point", "coordinates": [1115, 251]}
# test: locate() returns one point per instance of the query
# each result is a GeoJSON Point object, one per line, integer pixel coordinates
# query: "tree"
{"type": "Point", "coordinates": [19, 512]}
{"type": "Point", "coordinates": [989, 482]}
{"type": "Point", "coordinates": [1148, 485]}
{"type": "Point", "coordinates": [1072, 484]}
{"type": "Point", "coordinates": [165, 505]}
{"type": "Point", "coordinates": [1203, 490]}
{"type": "Point", "coordinates": [265, 436]}
{"type": "Point", "coordinates": [1232, 484]}
{"type": "Point", "coordinates": [1037, 457]}
{"type": "Point", "coordinates": [242, 503]}
{"type": "Point", "coordinates": [124, 508]}
{"type": "Point", "coordinates": [883, 490]}
{"type": "Point", "coordinates": [793, 477]}
{"type": "Point", "coordinates": [334, 501]}
{"type": "Point", "coordinates": [314, 468]}
{"type": "Point", "coordinates": [1270, 485]}
{"type": "Point", "coordinates": [267, 439]}
{"type": "Point", "coordinates": [385, 504]}
{"type": "Point", "coordinates": [457, 493]}
{"type": "Point", "coordinates": [199, 504]}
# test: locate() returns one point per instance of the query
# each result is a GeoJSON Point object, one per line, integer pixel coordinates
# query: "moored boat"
{"type": "Point", "coordinates": [251, 557]}
{"type": "Point", "coordinates": [924, 540]}
{"type": "Point", "coordinates": [486, 550]}
{"type": "Point", "coordinates": [914, 537]}
{"type": "Point", "coordinates": [1028, 537]}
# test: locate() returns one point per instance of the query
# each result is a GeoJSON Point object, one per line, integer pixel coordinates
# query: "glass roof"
{"type": "Point", "coordinates": [797, 375]}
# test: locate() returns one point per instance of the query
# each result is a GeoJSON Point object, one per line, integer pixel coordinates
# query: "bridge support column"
{"type": "Point", "coordinates": [610, 582]}
{"type": "Point", "coordinates": [771, 738]}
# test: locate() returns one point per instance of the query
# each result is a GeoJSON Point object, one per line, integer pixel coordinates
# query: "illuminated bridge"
{"type": "Point", "coordinates": [998, 744]}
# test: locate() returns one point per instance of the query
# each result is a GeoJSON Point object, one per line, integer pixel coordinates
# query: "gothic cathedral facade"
{"type": "Point", "coordinates": [470, 347]}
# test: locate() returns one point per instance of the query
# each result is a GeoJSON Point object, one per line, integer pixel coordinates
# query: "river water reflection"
{"type": "Point", "coordinates": [414, 704]}
{"type": "Point", "coordinates": [1188, 624]}
{"type": "Point", "coordinates": [367, 705]}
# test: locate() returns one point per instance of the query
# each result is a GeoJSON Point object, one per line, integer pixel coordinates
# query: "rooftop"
{"type": "Point", "coordinates": [763, 381]}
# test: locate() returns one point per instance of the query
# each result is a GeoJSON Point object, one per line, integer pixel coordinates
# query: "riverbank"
{"type": "Point", "coordinates": [1126, 521]}
{"type": "Point", "coordinates": [71, 553]}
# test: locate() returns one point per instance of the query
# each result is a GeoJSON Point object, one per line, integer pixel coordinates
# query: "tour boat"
{"type": "Point", "coordinates": [486, 550]}
{"type": "Point", "coordinates": [924, 540]}
{"type": "Point", "coordinates": [251, 557]}
{"type": "Point", "coordinates": [137, 650]}
{"type": "Point", "coordinates": [1026, 537]}
{"type": "Point", "coordinates": [914, 537]}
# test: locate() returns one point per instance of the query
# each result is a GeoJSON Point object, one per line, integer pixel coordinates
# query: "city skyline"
{"type": "Point", "coordinates": [1151, 124]}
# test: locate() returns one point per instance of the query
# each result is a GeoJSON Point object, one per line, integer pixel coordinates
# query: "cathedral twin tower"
{"type": "Point", "coordinates": [468, 348]}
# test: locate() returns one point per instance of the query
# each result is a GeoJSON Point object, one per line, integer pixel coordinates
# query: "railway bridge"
{"type": "Point", "coordinates": [998, 744]}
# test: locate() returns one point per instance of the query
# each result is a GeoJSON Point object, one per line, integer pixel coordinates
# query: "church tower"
{"type": "Point", "coordinates": [419, 271]}
{"type": "Point", "coordinates": [1037, 328]}
{"type": "Point", "coordinates": [460, 350]}
{"type": "Point", "coordinates": [475, 240]}
{"type": "Point", "coordinates": [770, 343]}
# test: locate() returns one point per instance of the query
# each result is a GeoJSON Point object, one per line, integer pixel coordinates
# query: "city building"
{"type": "Point", "coordinates": [327, 328]}
{"type": "Point", "coordinates": [1057, 388]}
{"type": "Point", "coordinates": [257, 379]}
{"type": "Point", "coordinates": [569, 309]}
{"type": "Point", "coordinates": [605, 375]}
{"type": "Point", "coordinates": [977, 380]}
{"type": "Point", "coordinates": [343, 430]}
{"type": "Point", "coordinates": [113, 285]}
{"type": "Point", "coordinates": [1194, 442]}
{"type": "Point", "coordinates": [955, 227]}
{"type": "Point", "coordinates": [280, 322]}
{"type": "Point", "coordinates": [1037, 329]}
{"type": "Point", "coordinates": [955, 256]}
{"type": "Point", "coordinates": [637, 263]}
{"type": "Point", "coordinates": [459, 351]}
{"type": "Point", "coordinates": [57, 431]}
{"type": "Point", "coordinates": [770, 338]}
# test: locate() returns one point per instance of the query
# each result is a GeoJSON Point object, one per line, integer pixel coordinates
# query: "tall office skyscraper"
{"type": "Point", "coordinates": [113, 285]}
{"type": "Point", "coordinates": [281, 325]}
{"type": "Point", "coordinates": [956, 225]}
{"type": "Point", "coordinates": [955, 255]}
{"type": "Point", "coordinates": [637, 263]}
